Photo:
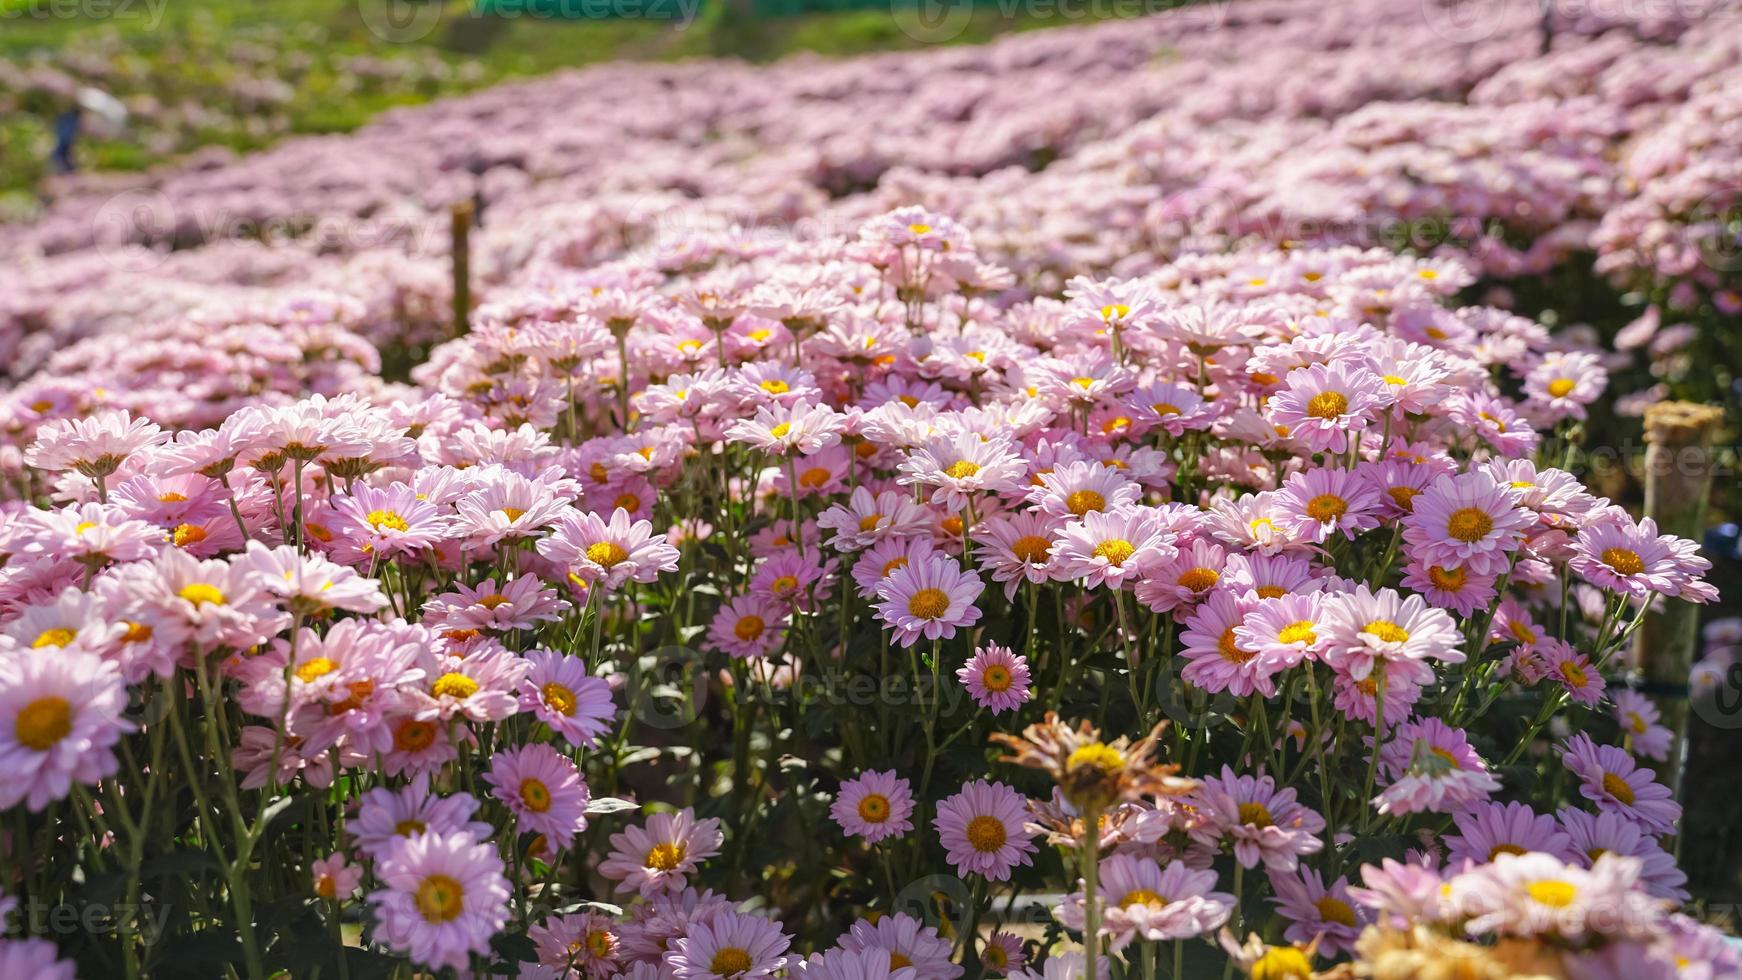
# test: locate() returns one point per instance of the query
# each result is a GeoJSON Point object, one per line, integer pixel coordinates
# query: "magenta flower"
{"type": "Point", "coordinates": [984, 829]}
{"type": "Point", "coordinates": [874, 805]}
{"type": "Point", "coordinates": [930, 598]}
{"type": "Point", "coordinates": [996, 678]}
{"type": "Point", "coordinates": [1610, 778]}
{"type": "Point", "coordinates": [443, 897]}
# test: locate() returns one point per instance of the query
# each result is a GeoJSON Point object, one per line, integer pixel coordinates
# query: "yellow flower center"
{"type": "Point", "coordinates": [730, 961]}
{"type": "Point", "coordinates": [1521, 632]}
{"type": "Point", "coordinates": [1199, 579]}
{"type": "Point", "coordinates": [201, 594]}
{"type": "Point", "coordinates": [897, 960]}
{"type": "Point", "coordinates": [1574, 675]}
{"type": "Point", "coordinates": [1469, 524]}
{"type": "Point", "coordinates": [961, 469]}
{"type": "Point", "coordinates": [316, 668]}
{"type": "Point", "coordinates": [171, 497]}
{"type": "Point", "coordinates": [58, 637]}
{"type": "Point", "coordinates": [43, 722]}
{"type": "Point", "coordinates": [1386, 630]}
{"type": "Point", "coordinates": [996, 679]}
{"type": "Point", "coordinates": [784, 585]}
{"type": "Point", "coordinates": [1256, 815]}
{"type": "Point", "coordinates": [1230, 650]}
{"type": "Point", "coordinates": [1561, 387]}
{"type": "Point", "coordinates": [1300, 631]}
{"type": "Point", "coordinates": [986, 834]}
{"type": "Point", "coordinates": [749, 628]}
{"type": "Point", "coordinates": [388, 519]}
{"type": "Point", "coordinates": [928, 603]}
{"type": "Point", "coordinates": [665, 857]}
{"type": "Point", "coordinates": [1116, 551]}
{"type": "Point", "coordinates": [1552, 893]}
{"type": "Point", "coordinates": [1271, 591]}
{"type": "Point", "coordinates": [1617, 787]}
{"type": "Point", "coordinates": [775, 386]}
{"type": "Point", "coordinates": [559, 698]}
{"type": "Point", "coordinates": [1624, 561]}
{"type": "Point", "coordinates": [1403, 497]}
{"type": "Point", "coordinates": [815, 478]}
{"type": "Point", "coordinates": [186, 534]}
{"type": "Point", "coordinates": [599, 943]}
{"type": "Point", "coordinates": [492, 601]}
{"type": "Point", "coordinates": [414, 736]}
{"type": "Point", "coordinates": [1326, 507]}
{"type": "Point", "coordinates": [440, 899]}
{"type": "Point", "coordinates": [1096, 755]}
{"type": "Point", "coordinates": [1115, 311]}
{"type": "Point", "coordinates": [534, 795]}
{"type": "Point", "coordinates": [874, 808]}
{"type": "Point", "coordinates": [607, 554]}
{"type": "Point", "coordinates": [1163, 408]}
{"type": "Point", "coordinates": [1031, 548]}
{"type": "Point", "coordinates": [454, 685]}
{"type": "Point", "coordinates": [1499, 849]}
{"type": "Point", "coordinates": [870, 521]}
{"type": "Point", "coordinates": [1144, 897]}
{"type": "Point", "coordinates": [1282, 963]}
{"type": "Point", "coordinates": [1393, 379]}
{"type": "Point", "coordinates": [1327, 405]}
{"type": "Point", "coordinates": [1448, 579]}
{"type": "Point", "coordinates": [1335, 910]}
{"type": "Point", "coordinates": [780, 431]}
{"type": "Point", "coordinates": [1083, 501]}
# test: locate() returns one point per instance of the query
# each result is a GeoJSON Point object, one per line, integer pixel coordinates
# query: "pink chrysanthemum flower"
{"type": "Point", "coordinates": [958, 467]}
{"type": "Point", "coordinates": [1002, 954]}
{"type": "Point", "coordinates": [730, 946]}
{"type": "Point", "coordinates": [1141, 900]}
{"type": "Point", "coordinates": [660, 856]}
{"type": "Point", "coordinates": [335, 878]}
{"type": "Point", "coordinates": [1430, 767]}
{"type": "Point", "coordinates": [384, 816]}
{"type": "Point", "coordinates": [1217, 661]}
{"type": "Point", "coordinates": [1181, 582]}
{"type": "Point", "coordinates": [74, 621]}
{"type": "Point", "coordinates": [984, 829]}
{"type": "Point", "coordinates": [1617, 555]}
{"type": "Point", "coordinates": [1072, 490]}
{"type": "Point", "coordinates": [543, 790]}
{"type": "Point", "coordinates": [803, 428]}
{"type": "Point", "coordinates": [1593, 835]}
{"type": "Point", "coordinates": [1492, 829]}
{"type": "Point", "coordinates": [1325, 502]}
{"type": "Point", "coordinates": [1255, 522]}
{"type": "Point", "coordinates": [560, 692]}
{"type": "Point", "coordinates": [1494, 420]}
{"type": "Point", "coordinates": [92, 534]}
{"type": "Point", "coordinates": [310, 584]}
{"type": "Point", "coordinates": [1358, 699]}
{"type": "Point", "coordinates": [481, 687]}
{"type": "Point", "coordinates": [866, 519]}
{"type": "Point", "coordinates": [583, 941]}
{"type": "Point", "coordinates": [1539, 895]}
{"type": "Point", "coordinates": [1262, 822]}
{"type": "Point", "coordinates": [874, 805]}
{"type": "Point", "coordinates": [882, 559]}
{"type": "Point", "coordinates": [1572, 670]}
{"type": "Point", "coordinates": [1462, 589]}
{"type": "Point", "coordinates": [842, 964]}
{"type": "Point", "coordinates": [608, 553]}
{"type": "Point", "coordinates": [1564, 382]}
{"type": "Point", "coordinates": [1285, 630]}
{"type": "Point", "coordinates": [1466, 520]}
{"type": "Point", "coordinates": [93, 447]}
{"type": "Point", "coordinates": [508, 506]}
{"type": "Point", "coordinates": [1363, 628]}
{"type": "Point", "coordinates": [370, 523]}
{"type": "Point", "coordinates": [906, 943]}
{"type": "Point", "coordinates": [1610, 778]}
{"type": "Point", "coordinates": [1324, 404]}
{"type": "Point", "coordinates": [1016, 548]}
{"type": "Point", "coordinates": [996, 678]}
{"type": "Point", "coordinates": [60, 719]}
{"type": "Point", "coordinates": [1174, 407]}
{"type": "Point", "coordinates": [1315, 911]}
{"type": "Point", "coordinates": [749, 626]}
{"type": "Point", "coordinates": [793, 580]}
{"type": "Point", "coordinates": [517, 604]}
{"type": "Point", "coordinates": [444, 897]}
{"type": "Point", "coordinates": [1108, 548]}
{"type": "Point", "coordinates": [1638, 718]}
{"type": "Point", "coordinates": [929, 598]}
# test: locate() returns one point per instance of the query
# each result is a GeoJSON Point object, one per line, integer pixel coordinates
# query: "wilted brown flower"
{"type": "Point", "coordinates": [1420, 953]}
{"type": "Point", "coordinates": [1092, 774]}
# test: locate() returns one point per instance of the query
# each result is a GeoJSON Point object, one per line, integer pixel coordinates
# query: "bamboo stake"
{"type": "Point", "coordinates": [1678, 481]}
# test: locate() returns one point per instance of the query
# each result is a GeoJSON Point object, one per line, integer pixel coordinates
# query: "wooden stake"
{"type": "Point", "coordinates": [462, 232]}
{"type": "Point", "coordinates": [1678, 481]}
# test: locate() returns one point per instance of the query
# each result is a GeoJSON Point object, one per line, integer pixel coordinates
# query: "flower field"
{"type": "Point", "coordinates": [1107, 503]}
